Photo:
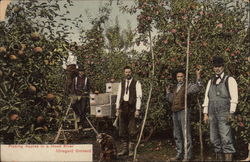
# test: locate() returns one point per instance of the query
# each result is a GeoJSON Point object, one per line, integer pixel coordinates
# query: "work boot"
{"type": "Point", "coordinates": [228, 157]}
{"type": "Point", "coordinates": [218, 156]}
{"type": "Point", "coordinates": [124, 150]}
{"type": "Point", "coordinates": [131, 149]}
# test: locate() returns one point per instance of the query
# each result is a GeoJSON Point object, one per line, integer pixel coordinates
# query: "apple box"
{"type": "Point", "coordinates": [101, 110]}
{"type": "Point", "coordinates": [99, 99]}
{"type": "Point", "coordinates": [112, 87]}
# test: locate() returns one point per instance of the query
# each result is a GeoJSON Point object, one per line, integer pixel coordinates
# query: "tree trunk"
{"type": "Point", "coordinates": [186, 88]}
{"type": "Point", "coordinates": [149, 98]}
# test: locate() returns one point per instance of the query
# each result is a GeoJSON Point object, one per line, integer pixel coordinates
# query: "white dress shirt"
{"type": "Point", "coordinates": [72, 59]}
{"type": "Point", "coordinates": [126, 96]}
{"type": "Point", "coordinates": [233, 91]}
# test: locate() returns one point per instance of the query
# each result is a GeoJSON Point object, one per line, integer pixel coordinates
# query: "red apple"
{"type": "Point", "coordinates": [165, 41]}
{"type": "Point", "coordinates": [32, 88]}
{"type": "Point", "coordinates": [2, 49]}
{"type": "Point", "coordinates": [38, 50]}
{"type": "Point", "coordinates": [50, 97]}
{"type": "Point", "coordinates": [173, 31]}
{"type": "Point", "coordinates": [12, 57]}
{"type": "Point", "coordinates": [220, 25]}
{"type": "Point", "coordinates": [20, 53]}
{"type": "Point", "coordinates": [14, 117]}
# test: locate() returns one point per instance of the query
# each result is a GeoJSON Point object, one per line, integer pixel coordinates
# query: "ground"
{"type": "Point", "coordinates": [158, 148]}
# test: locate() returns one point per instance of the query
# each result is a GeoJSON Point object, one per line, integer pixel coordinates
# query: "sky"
{"type": "Point", "coordinates": [82, 7]}
{"type": "Point", "coordinates": [92, 7]}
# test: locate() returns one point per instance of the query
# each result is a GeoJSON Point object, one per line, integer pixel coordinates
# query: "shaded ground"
{"type": "Point", "coordinates": [157, 149]}
{"type": "Point", "coordinates": [160, 147]}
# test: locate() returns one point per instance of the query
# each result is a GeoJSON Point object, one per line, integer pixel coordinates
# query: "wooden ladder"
{"type": "Point", "coordinates": [71, 117]}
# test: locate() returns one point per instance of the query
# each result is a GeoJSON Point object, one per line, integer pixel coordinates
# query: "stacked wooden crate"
{"type": "Point", "coordinates": [103, 104]}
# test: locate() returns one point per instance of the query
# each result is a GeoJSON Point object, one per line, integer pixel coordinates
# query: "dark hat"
{"type": "Point", "coordinates": [180, 69]}
{"type": "Point", "coordinates": [218, 61]}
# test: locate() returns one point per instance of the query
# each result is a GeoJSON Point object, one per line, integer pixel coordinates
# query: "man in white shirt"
{"type": "Point", "coordinates": [71, 68]}
{"type": "Point", "coordinates": [128, 106]}
{"type": "Point", "coordinates": [221, 98]}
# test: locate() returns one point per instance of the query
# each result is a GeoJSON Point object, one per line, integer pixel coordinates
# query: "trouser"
{"type": "Point", "coordinates": [179, 133]}
{"type": "Point", "coordinates": [80, 105]}
{"type": "Point", "coordinates": [220, 129]}
{"type": "Point", "coordinates": [127, 123]}
{"type": "Point", "coordinates": [70, 74]}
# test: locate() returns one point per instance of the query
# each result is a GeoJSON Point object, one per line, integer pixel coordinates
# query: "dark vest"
{"type": "Point", "coordinates": [79, 86]}
{"type": "Point", "coordinates": [178, 99]}
{"type": "Point", "coordinates": [132, 92]}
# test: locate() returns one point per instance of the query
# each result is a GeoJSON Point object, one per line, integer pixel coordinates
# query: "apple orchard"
{"type": "Point", "coordinates": [32, 54]}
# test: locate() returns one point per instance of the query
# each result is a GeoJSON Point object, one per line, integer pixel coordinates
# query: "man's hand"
{"type": "Point", "coordinates": [168, 89]}
{"type": "Point", "coordinates": [206, 119]}
{"type": "Point", "coordinates": [137, 113]}
{"type": "Point", "coordinates": [198, 73]}
{"type": "Point", "coordinates": [117, 112]}
{"type": "Point", "coordinates": [230, 117]}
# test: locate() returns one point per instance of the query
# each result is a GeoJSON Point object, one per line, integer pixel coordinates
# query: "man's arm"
{"type": "Point", "coordinates": [118, 97]}
{"type": "Point", "coordinates": [88, 86]}
{"type": "Point", "coordinates": [205, 104]}
{"type": "Point", "coordinates": [138, 95]}
{"type": "Point", "coordinates": [233, 91]}
{"type": "Point", "coordinates": [169, 96]}
{"type": "Point", "coordinates": [195, 88]}
{"type": "Point", "coordinates": [206, 99]}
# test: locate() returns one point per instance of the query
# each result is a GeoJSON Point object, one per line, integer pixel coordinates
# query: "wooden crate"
{"type": "Point", "coordinates": [112, 87]}
{"type": "Point", "coordinates": [101, 110]}
{"type": "Point", "coordinates": [99, 99]}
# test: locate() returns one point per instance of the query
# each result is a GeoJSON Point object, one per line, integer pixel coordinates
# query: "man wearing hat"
{"type": "Point", "coordinates": [177, 100]}
{"type": "Point", "coordinates": [81, 91]}
{"type": "Point", "coordinates": [71, 67]}
{"type": "Point", "coordinates": [221, 98]}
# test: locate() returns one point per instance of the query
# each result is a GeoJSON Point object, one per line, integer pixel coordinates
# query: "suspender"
{"type": "Point", "coordinates": [225, 78]}
{"type": "Point", "coordinates": [85, 82]}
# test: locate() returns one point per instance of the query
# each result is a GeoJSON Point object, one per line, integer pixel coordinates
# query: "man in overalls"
{"type": "Point", "coordinates": [221, 98]}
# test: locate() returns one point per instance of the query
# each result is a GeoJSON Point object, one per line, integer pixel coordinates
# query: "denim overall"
{"type": "Point", "coordinates": [218, 110]}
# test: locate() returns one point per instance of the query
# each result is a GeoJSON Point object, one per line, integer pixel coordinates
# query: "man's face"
{"type": "Point", "coordinates": [128, 73]}
{"type": "Point", "coordinates": [180, 77]}
{"type": "Point", "coordinates": [218, 70]}
{"type": "Point", "coordinates": [81, 73]}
